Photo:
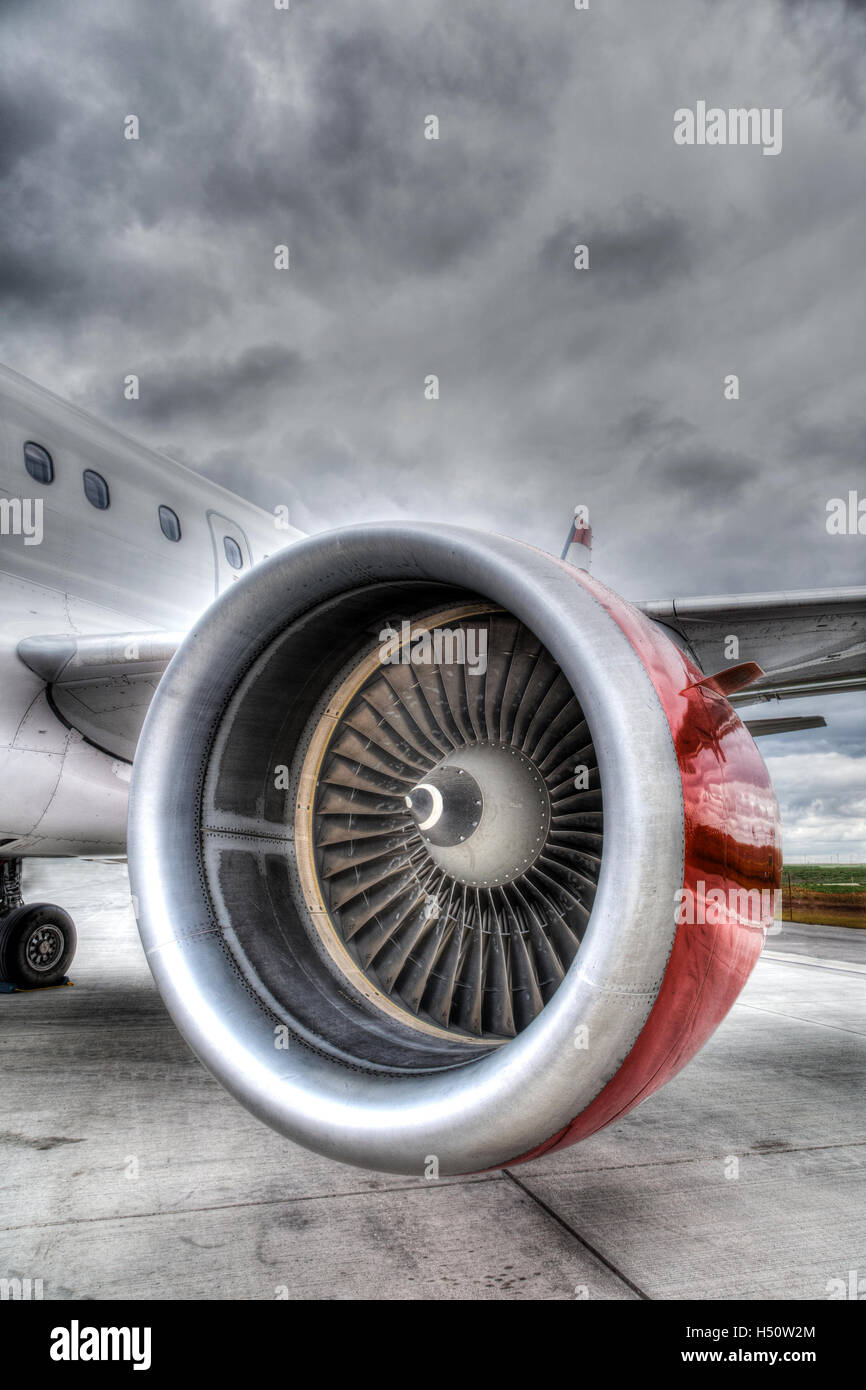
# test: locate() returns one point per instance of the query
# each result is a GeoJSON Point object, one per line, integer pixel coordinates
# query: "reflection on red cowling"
{"type": "Point", "coordinates": [732, 843]}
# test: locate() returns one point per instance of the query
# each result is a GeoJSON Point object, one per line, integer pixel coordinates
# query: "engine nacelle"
{"type": "Point", "coordinates": [438, 850]}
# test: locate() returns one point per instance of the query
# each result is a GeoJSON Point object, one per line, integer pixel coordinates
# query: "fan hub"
{"type": "Point", "coordinates": [448, 861]}
{"type": "Point", "coordinates": [483, 813]}
{"type": "Point", "coordinates": [446, 806]}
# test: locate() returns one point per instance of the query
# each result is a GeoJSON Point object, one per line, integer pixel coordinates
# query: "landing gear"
{"type": "Point", "coordinates": [10, 885]}
{"type": "Point", "coordinates": [37, 940]}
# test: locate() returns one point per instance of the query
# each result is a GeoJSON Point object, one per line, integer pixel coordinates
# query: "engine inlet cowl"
{"type": "Point", "coordinates": [411, 816]}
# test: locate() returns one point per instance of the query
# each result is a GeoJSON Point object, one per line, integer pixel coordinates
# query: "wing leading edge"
{"type": "Point", "coordinates": [807, 643]}
{"type": "Point", "coordinates": [811, 642]}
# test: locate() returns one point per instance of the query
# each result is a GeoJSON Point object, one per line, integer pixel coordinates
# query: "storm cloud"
{"type": "Point", "coordinates": [456, 257]}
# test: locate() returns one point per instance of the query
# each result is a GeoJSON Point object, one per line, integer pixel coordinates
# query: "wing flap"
{"type": "Point", "coordinates": [760, 728]}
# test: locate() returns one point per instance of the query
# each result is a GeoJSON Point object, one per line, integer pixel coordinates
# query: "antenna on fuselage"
{"type": "Point", "coordinates": [577, 550]}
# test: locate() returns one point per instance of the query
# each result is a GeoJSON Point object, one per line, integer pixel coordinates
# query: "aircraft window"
{"type": "Point", "coordinates": [169, 524]}
{"type": "Point", "coordinates": [233, 553]}
{"type": "Point", "coordinates": [39, 463]}
{"type": "Point", "coordinates": [96, 489]}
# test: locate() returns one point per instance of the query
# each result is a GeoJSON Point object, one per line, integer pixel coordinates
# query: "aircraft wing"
{"type": "Point", "coordinates": [811, 642]}
{"type": "Point", "coordinates": [807, 643]}
{"type": "Point", "coordinates": [102, 685]}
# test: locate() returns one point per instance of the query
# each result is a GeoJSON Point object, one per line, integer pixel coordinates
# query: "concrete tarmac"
{"type": "Point", "coordinates": [126, 1172]}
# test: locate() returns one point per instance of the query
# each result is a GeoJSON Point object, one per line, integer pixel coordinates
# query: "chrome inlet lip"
{"type": "Point", "coordinates": [471, 1116]}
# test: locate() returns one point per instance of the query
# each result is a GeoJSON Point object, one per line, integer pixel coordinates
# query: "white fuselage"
{"type": "Point", "coordinates": [89, 570]}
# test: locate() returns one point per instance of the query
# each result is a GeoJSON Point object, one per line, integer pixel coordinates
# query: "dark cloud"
{"type": "Point", "coordinates": [708, 477]}
{"type": "Point", "coordinates": [29, 119]}
{"type": "Point", "coordinates": [214, 389]}
{"type": "Point", "coordinates": [645, 424]}
{"type": "Point", "coordinates": [31, 282]}
{"type": "Point", "coordinates": [856, 7]}
{"type": "Point", "coordinates": [351, 175]}
{"type": "Point", "coordinates": [454, 257]}
{"type": "Point", "coordinates": [841, 443]}
{"type": "Point", "coordinates": [833, 32]}
{"type": "Point", "coordinates": [635, 251]}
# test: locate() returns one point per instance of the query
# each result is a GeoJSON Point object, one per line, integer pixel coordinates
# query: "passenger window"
{"type": "Point", "coordinates": [169, 524]}
{"type": "Point", "coordinates": [39, 463]}
{"type": "Point", "coordinates": [96, 490]}
{"type": "Point", "coordinates": [233, 553]}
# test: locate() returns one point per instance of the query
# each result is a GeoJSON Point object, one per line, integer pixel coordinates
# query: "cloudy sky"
{"type": "Point", "coordinates": [410, 257]}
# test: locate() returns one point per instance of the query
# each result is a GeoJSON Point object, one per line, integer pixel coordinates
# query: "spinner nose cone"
{"type": "Point", "coordinates": [426, 805]}
{"type": "Point", "coordinates": [446, 806]}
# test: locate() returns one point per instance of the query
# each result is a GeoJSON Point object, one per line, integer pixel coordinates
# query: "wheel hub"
{"type": "Point", "coordinates": [44, 947]}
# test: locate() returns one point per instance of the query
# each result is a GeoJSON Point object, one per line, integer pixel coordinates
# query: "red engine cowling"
{"type": "Point", "coordinates": [732, 864]}
{"type": "Point", "coordinates": [439, 850]}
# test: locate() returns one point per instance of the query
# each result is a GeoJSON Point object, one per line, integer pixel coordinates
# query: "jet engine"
{"type": "Point", "coordinates": [441, 851]}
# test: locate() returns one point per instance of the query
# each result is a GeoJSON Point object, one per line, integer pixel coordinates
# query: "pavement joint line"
{"type": "Point", "coordinates": [839, 967]}
{"type": "Point", "coordinates": [453, 1182]}
{"type": "Point", "coordinates": [718, 1157]}
{"type": "Point", "coordinates": [560, 1221]}
{"type": "Point", "coordinates": [467, 1181]}
{"type": "Point", "coordinates": [809, 1022]}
